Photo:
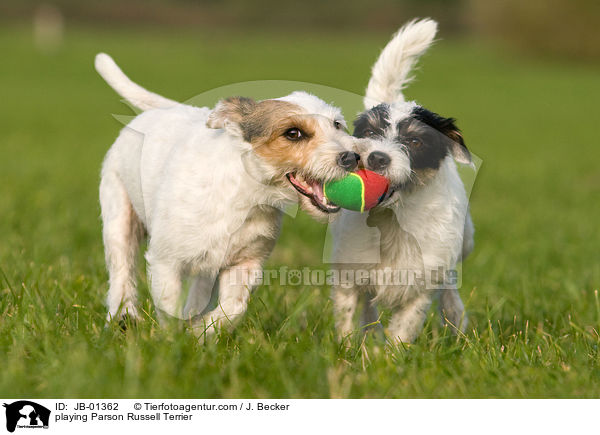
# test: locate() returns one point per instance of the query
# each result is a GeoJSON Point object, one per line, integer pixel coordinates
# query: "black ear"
{"type": "Point", "coordinates": [230, 112]}
{"type": "Point", "coordinates": [448, 127]}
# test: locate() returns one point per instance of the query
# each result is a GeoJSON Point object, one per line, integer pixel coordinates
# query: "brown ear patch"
{"type": "Point", "coordinates": [459, 150]}
{"type": "Point", "coordinates": [456, 136]}
{"type": "Point", "coordinates": [230, 110]}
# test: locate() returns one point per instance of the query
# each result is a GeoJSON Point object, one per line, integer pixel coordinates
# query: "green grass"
{"type": "Point", "coordinates": [529, 285]}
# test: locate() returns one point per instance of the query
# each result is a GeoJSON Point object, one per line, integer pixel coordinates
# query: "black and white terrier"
{"type": "Point", "coordinates": [424, 223]}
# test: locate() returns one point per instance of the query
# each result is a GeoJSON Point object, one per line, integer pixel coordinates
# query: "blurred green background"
{"type": "Point", "coordinates": [523, 80]}
{"type": "Point", "coordinates": [553, 27]}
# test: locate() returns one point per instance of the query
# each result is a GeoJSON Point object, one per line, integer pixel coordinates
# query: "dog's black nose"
{"type": "Point", "coordinates": [348, 160]}
{"type": "Point", "coordinates": [378, 160]}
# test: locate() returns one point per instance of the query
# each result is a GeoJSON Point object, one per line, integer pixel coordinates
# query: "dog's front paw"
{"type": "Point", "coordinates": [207, 325]}
{"type": "Point", "coordinates": [126, 322]}
{"type": "Point", "coordinates": [125, 319]}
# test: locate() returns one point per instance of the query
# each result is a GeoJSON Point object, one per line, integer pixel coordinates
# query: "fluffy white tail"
{"type": "Point", "coordinates": [132, 92]}
{"type": "Point", "coordinates": [390, 74]}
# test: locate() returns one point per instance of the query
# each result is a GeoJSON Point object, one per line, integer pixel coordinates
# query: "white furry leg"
{"type": "Point", "coordinates": [165, 286]}
{"type": "Point", "coordinates": [121, 233]}
{"type": "Point", "coordinates": [452, 310]}
{"type": "Point", "coordinates": [344, 307]}
{"type": "Point", "coordinates": [235, 286]}
{"type": "Point", "coordinates": [407, 321]}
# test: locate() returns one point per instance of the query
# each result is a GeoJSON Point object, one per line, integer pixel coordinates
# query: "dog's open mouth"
{"type": "Point", "coordinates": [387, 195]}
{"type": "Point", "coordinates": [314, 190]}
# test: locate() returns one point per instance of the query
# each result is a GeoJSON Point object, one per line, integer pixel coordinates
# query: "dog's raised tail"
{"type": "Point", "coordinates": [132, 92]}
{"type": "Point", "coordinates": [391, 72]}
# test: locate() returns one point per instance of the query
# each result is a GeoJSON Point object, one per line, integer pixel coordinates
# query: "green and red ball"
{"type": "Point", "coordinates": [358, 191]}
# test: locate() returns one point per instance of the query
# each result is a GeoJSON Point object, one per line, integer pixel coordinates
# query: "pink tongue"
{"type": "Point", "coordinates": [317, 190]}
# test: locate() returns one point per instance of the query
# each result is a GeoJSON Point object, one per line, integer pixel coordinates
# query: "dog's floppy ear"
{"type": "Point", "coordinates": [448, 127]}
{"type": "Point", "coordinates": [229, 113]}
{"type": "Point", "coordinates": [457, 144]}
{"type": "Point", "coordinates": [458, 148]}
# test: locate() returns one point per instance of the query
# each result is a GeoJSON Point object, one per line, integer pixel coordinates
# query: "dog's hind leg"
{"type": "Point", "coordinates": [121, 232]}
{"type": "Point", "coordinates": [370, 316]}
{"type": "Point", "coordinates": [452, 310]}
{"type": "Point", "coordinates": [407, 321]}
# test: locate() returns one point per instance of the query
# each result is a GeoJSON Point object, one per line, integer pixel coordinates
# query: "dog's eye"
{"type": "Point", "coordinates": [368, 133]}
{"type": "Point", "coordinates": [293, 134]}
{"type": "Point", "coordinates": [415, 141]}
{"type": "Point", "coordinates": [338, 125]}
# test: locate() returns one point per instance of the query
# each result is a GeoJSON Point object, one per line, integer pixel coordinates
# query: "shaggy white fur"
{"type": "Point", "coordinates": [390, 73]}
{"type": "Point", "coordinates": [208, 187]}
{"type": "Point", "coordinates": [424, 226]}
